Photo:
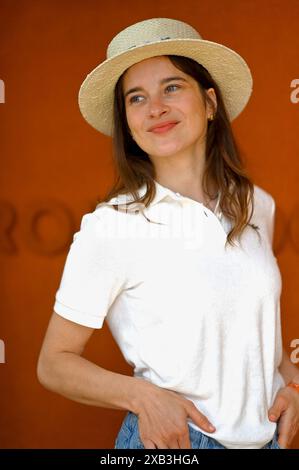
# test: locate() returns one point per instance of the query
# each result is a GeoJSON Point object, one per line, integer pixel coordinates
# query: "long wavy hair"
{"type": "Point", "coordinates": [223, 164]}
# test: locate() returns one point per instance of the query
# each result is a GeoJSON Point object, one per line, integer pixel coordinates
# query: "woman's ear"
{"type": "Point", "coordinates": [212, 95]}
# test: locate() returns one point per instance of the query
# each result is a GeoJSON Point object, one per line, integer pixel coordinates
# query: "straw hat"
{"type": "Point", "coordinates": [155, 37]}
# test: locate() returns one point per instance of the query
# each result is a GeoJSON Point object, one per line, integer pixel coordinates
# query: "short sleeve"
{"type": "Point", "coordinates": [91, 278]}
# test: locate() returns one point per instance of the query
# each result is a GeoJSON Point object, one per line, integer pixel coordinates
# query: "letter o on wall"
{"type": "Point", "coordinates": [42, 239]}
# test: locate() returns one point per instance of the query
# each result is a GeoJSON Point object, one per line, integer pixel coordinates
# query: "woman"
{"type": "Point", "coordinates": [177, 257]}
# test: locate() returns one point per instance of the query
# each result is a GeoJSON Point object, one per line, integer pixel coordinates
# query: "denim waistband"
{"type": "Point", "coordinates": [129, 437]}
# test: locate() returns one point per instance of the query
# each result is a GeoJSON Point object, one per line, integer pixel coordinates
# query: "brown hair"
{"type": "Point", "coordinates": [223, 168]}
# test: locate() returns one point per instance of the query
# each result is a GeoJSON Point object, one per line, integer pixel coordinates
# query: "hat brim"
{"type": "Point", "coordinates": [227, 67]}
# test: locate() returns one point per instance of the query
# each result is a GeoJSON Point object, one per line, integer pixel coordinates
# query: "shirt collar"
{"type": "Point", "coordinates": [162, 192]}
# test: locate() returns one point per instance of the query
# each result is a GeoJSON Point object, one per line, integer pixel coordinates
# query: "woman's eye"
{"type": "Point", "coordinates": [134, 98]}
{"type": "Point", "coordinates": [175, 86]}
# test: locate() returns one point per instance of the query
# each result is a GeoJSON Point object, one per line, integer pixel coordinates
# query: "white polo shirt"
{"type": "Point", "coordinates": [187, 314]}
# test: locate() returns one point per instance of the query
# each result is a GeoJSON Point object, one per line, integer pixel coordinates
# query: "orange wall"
{"type": "Point", "coordinates": [54, 165]}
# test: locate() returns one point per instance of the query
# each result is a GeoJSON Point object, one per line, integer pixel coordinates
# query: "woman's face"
{"type": "Point", "coordinates": [157, 100]}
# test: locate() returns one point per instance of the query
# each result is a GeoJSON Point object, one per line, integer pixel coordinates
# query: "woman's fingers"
{"type": "Point", "coordinates": [149, 444]}
{"type": "Point", "coordinates": [181, 442]}
{"type": "Point", "coordinates": [199, 419]}
{"type": "Point", "coordinates": [157, 445]}
{"type": "Point", "coordinates": [162, 420]}
{"type": "Point", "coordinates": [184, 441]}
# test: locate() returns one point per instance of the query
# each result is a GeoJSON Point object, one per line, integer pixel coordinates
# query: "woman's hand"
{"type": "Point", "coordinates": [162, 419]}
{"type": "Point", "coordinates": [286, 409]}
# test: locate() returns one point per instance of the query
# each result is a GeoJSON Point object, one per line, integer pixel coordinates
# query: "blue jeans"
{"type": "Point", "coordinates": [128, 437]}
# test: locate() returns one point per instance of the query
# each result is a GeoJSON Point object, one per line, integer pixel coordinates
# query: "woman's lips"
{"type": "Point", "coordinates": [162, 129]}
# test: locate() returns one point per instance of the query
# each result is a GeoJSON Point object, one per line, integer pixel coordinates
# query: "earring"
{"type": "Point", "coordinates": [211, 118]}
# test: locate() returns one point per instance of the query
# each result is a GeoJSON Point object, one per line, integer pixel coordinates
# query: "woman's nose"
{"type": "Point", "coordinates": [157, 106]}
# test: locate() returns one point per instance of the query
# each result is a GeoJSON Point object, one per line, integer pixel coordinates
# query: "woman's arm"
{"type": "Point", "coordinates": [288, 370]}
{"type": "Point", "coordinates": [61, 369]}
{"type": "Point", "coordinates": [162, 413]}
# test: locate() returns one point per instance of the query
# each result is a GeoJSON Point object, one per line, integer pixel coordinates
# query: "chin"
{"type": "Point", "coordinates": [167, 151]}
{"type": "Point", "coordinates": [165, 148]}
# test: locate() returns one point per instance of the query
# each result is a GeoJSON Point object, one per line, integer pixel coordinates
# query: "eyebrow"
{"type": "Point", "coordinates": [164, 80]}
